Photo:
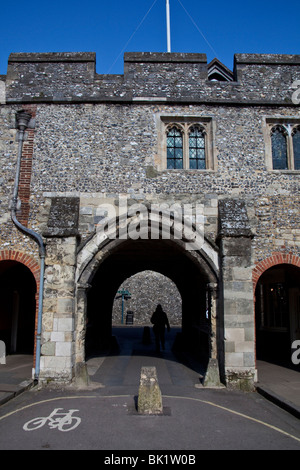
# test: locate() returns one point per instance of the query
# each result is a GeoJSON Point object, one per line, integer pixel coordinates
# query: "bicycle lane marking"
{"type": "Point", "coordinates": [238, 414]}
{"type": "Point", "coordinates": [58, 419]}
{"type": "Point", "coordinates": [270, 426]}
{"type": "Point", "coordinates": [59, 398]}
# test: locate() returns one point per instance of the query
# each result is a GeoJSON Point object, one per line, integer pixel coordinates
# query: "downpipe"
{"type": "Point", "coordinates": [23, 119]}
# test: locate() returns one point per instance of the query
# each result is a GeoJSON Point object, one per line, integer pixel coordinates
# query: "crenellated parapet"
{"type": "Point", "coordinates": [257, 79]}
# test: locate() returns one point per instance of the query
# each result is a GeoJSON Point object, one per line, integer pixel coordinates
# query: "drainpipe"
{"type": "Point", "coordinates": [23, 119]}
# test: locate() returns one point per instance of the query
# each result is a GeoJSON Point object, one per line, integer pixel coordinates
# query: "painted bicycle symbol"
{"type": "Point", "coordinates": [62, 421]}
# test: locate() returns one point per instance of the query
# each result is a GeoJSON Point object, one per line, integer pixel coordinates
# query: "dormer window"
{"type": "Point", "coordinates": [218, 72]}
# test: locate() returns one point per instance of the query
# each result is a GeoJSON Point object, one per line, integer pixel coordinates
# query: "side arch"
{"type": "Point", "coordinates": [276, 283]}
{"type": "Point", "coordinates": [23, 258]}
{"type": "Point", "coordinates": [275, 259]}
{"type": "Point", "coordinates": [23, 289]}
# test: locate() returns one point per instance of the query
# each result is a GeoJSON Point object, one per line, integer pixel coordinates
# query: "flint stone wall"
{"type": "Point", "coordinates": [99, 136]}
{"type": "Point", "coordinates": [148, 289]}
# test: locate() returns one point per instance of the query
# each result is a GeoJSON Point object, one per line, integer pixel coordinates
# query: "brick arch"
{"type": "Point", "coordinates": [23, 258]}
{"type": "Point", "coordinates": [33, 266]}
{"type": "Point", "coordinates": [273, 260]}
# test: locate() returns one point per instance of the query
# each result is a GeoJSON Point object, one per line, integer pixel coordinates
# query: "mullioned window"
{"type": "Point", "coordinates": [285, 147]}
{"type": "Point", "coordinates": [186, 143]}
{"type": "Point", "coordinates": [283, 144]}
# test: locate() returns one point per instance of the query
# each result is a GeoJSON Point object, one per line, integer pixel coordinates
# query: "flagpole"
{"type": "Point", "coordinates": [168, 25]}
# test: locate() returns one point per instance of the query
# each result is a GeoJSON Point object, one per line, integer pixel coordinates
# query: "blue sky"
{"type": "Point", "coordinates": [110, 28]}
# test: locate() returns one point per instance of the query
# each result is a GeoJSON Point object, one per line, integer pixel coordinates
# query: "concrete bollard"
{"type": "Point", "coordinates": [2, 353]}
{"type": "Point", "coordinates": [212, 376]}
{"type": "Point", "coordinates": [149, 398]}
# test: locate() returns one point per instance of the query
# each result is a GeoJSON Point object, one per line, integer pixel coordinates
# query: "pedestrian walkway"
{"type": "Point", "coordinates": [123, 368]}
{"type": "Point", "coordinates": [15, 376]}
{"type": "Point", "coordinates": [279, 384]}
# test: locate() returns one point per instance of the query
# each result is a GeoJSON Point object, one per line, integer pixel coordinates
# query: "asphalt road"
{"type": "Point", "coordinates": [104, 417]}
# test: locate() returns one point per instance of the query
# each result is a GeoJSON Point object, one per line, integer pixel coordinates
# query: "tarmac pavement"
{"type": "Point", "coordinates": [281, 385]}
{"type": "Point", "coordinates": [15, 376]}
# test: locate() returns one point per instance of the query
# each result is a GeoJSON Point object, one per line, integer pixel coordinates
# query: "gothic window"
{"type": "Point", "coordinates": [285, 145]}
{"type": "Point", "coordinates": [296, 147]}
{"type": "Point", "coordinates": [186, 144]}
{"type": "Point", "coordinates": [279, 148]}
{"type": "Point", "coordinates": [197, 148]}
{"type": "Point", "coordinates": [174, 148]}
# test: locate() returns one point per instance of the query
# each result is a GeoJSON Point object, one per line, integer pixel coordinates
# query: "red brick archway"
{"type": "Point", "coordinates": [273, 260]}
{"type": "Point", "coordinates": [33, 266]}
{"type": "Point", "coordinates": [267, 340]}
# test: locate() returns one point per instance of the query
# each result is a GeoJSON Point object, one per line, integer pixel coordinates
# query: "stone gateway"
{"type": "Point", "coordinates": [178, 174]}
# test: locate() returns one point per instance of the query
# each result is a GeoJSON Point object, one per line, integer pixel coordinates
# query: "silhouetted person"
{"type": "Point", "coordinates": [159, 320]}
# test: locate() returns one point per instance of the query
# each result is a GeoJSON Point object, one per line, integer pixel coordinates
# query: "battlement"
{"type": "Point", "coordinates": [168, 77]}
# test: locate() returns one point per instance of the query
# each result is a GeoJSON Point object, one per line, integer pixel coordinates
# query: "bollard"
{"type": "Point", "coordinates": [149, 398]}
{"type": "Point", "coordinates": [2, 353]}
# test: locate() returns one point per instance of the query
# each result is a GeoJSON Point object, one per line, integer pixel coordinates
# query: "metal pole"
{"type": "Point", "coordinates": [168, 25]}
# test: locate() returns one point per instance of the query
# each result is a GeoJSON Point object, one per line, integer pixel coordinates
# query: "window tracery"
{"type": "Point", "coordinates": [285, 145]}
{"type": "Point", "coordinates": [174, 147]}
{"type": "Point", "coordinates": [296, 146]}
{"type": "Point", "coordinates": [197, 148]}
{"type": "Point", "coordinates": [279, 148]}
{"type": "Point", "coordinates": [186, 145]}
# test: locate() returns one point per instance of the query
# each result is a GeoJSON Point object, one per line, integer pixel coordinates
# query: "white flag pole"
{"type": "Point", "coordinates": [168, 26]}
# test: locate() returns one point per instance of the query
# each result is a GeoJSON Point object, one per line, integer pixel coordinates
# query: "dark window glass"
{"type": "Point", "coordinates": [279, 149]}
{"type": "Point", "coordinates": [296, 147]}
{"type": "Point", "coordinates": [174, 149]}
{"type": "Point", "coordinates": [197, 149]}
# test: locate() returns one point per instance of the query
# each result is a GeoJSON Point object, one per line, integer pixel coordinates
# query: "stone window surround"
{"type": "Point", "coordinates": [289, 123]}
{"type": "Point", "coordinates": [184, 123]}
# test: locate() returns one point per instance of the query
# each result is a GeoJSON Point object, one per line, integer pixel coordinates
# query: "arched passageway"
{"type": "Point", "coordinates": [17, 307]}
{"type": "Point", "coordinates": [140, 294]}
{"type": "Point", "coordinates": [191, 273]}
{"type": "Point", "coordinates": [277, 313]}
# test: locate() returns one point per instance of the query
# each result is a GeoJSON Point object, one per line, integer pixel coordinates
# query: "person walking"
{"type": "Point", "coordinates": [159, 320]}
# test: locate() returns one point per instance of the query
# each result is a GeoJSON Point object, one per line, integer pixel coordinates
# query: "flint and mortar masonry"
{"type": "Point", "coordinates": [97, 137]}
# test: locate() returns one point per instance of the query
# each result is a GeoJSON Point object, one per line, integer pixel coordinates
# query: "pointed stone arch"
{"type": "Point", "coordinates": [94, 250]}
{"type": "Point", "coordinates": [100, 249]}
